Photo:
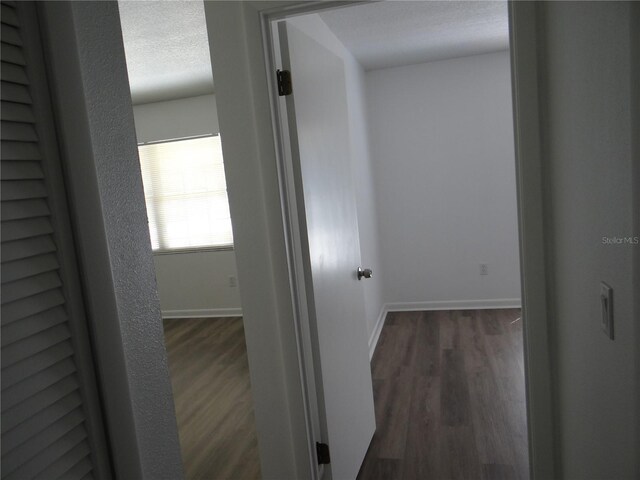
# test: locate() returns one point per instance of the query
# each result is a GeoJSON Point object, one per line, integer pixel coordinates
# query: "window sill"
{"type": "Point", "coordinates": [177, 251]}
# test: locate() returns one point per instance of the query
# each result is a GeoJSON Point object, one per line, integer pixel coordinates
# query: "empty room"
{"type": "Point", "coordinates": [400, 116]}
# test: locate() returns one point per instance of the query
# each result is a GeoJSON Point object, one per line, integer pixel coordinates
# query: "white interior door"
{"type": "Point", "coordinates": [319, 132]}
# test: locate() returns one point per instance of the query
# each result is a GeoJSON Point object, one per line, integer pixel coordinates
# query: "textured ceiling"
{"type": "Point", "coordinates": [166, 48]}
{"type": "Point", "coordinates": [168, 52]}
{"type": "Point", "coordinates": [389, 34]}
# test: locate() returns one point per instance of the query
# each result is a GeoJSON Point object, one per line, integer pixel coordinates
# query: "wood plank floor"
{"type": "Point", "coordinates": [212, 394]}
{"type": "Point", "coordinates": [450, 397]}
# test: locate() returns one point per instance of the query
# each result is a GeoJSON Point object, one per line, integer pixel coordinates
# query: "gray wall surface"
{"type": "Point", "coordinates": [587, 146]}
{"type": "Point", "coordinates": [635, 135]}
{"type": "Point", "coordinates": [444, 167]}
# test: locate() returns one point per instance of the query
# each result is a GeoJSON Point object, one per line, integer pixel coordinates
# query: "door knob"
{"type": "Point", "coordinates": [366, 273]}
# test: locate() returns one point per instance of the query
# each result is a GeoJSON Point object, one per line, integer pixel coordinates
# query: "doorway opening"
{"type": "Point", "coordinates": [415, 98]}
{"type": "Point", "coordinates": [179, 142]}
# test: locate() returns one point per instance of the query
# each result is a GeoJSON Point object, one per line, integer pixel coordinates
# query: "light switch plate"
{"type": "Point", "coordinates": [606, 307]}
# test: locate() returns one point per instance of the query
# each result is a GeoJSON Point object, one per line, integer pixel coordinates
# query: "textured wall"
{"type": "Point", "coordinates": [587, 137]}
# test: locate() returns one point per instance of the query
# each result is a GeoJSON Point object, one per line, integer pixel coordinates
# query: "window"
{"type": "Point", "coordinates": [186, 194]}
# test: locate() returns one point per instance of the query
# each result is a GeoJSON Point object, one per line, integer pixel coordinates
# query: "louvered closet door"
{"type": "Point", "coordinates": [51, 421]}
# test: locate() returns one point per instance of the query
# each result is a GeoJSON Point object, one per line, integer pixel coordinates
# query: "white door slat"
{"type": "Point", "coordinates": [28, 208]}
{"type": "Point", "coordinates": [28, 267]}
{"type": "Point", "coordinates": [12, 417]}
{"type": "Point", "coordinates": [80, 469]}
{"type": "Point", "coordinates": [12, 53]}
{"type": "Point", "coordinates": [17, 132]}
{"type": "Point", "coordinates": [22, 371]}
{"type": "Point", "coordinates": [33, 344]}
{"type": "Point", "coordinates": [14, 92]}
{"type": "Point", "coordinates": [30, 449]}
{"type": "Point", "coordinates": [19, 170]}
{"type": "Point", "coordinates": [29, 386]}
{"type": "Point", "coordinates": [28, 247]}
{"type": "Point", "coordinates": [8, 16]}
{"type": "Point", "coordinates": [25, 228]}
{"type": "Point", "coordinates": [38, 422]}
{"type": "Point", "coordinates": [16, 331]}
{"type": "Point", "coordinates": [16, 112]}
{"type": "Point", "coordinates": [27, 287]}
{"type": "Point", "coordinates": [61, 467]}
{"type": "Point", "coordinates": [22, 308]}
{"type": "Point", "coordinates": [20, 151]}
{"type": "Point", "coordinates": [11, 35]}
{"type": "Point", "coordinates": [22, 189]}
{"type": "Point", "coordinates": [10, 72]}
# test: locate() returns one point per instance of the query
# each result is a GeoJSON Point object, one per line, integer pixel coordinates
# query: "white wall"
{"type": "Point", "coordinates": [443, 154]}
{"type": "Point", "coordinates": [313, 26]}
{"type": "Point", "coordinates": [189, 283]}
{"type": "Point", "coordinates": [196, 284]}
{"type": "Point", "coordinates": [587, 138]}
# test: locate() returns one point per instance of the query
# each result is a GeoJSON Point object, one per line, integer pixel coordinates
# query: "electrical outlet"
{"type": "Point", "coordinates": [606, 307]}
{"type": "Point", "coordinates": [233, 281]}
{"type": "Point", "coordinates": [484, 269]}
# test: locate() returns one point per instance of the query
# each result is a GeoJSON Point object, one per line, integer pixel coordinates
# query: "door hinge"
{"type": "Point", "coordinates": [322, 450]}
{"type": "Point", "coordinates": [284, 82]}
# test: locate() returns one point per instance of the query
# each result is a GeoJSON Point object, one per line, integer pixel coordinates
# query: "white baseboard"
{"type": "Point", "coordinates": [454, 305]}
{"type": "Point", "coordinates": [203, 313]}
{"type": "Point", "coordinates": [375, 335]}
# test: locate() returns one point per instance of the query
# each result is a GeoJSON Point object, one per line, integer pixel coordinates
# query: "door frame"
{"type": "Point", "coordinates": [535, 311]}
{"type": "Point", "coordinates": [244, 78]}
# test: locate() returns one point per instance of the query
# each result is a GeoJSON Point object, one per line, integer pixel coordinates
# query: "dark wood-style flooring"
{"type": "Point", "coordinates": [449, 397]}
{"type": "Point", "coordinates": [212, 394]}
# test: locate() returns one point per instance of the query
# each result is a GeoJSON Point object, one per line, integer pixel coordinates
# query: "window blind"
{"type": "Point", "coordinates": [186, 194]}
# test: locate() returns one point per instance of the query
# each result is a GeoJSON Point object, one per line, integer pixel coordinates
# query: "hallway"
{"type": "Point", "coordinates": [450, 397]}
